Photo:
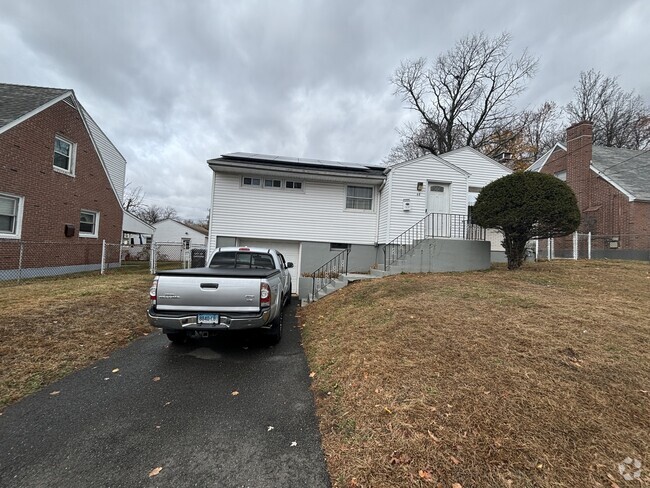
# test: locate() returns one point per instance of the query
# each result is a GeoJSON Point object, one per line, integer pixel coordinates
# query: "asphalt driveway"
{"type": "Point", "coordinates": [226, 412]}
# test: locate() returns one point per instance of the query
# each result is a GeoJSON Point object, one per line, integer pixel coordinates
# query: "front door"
{"type": "Point", "coordinates": [438, 223]}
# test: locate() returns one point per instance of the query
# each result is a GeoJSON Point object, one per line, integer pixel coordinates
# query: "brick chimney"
{"type": "Point", "coordinates": [579, 151]}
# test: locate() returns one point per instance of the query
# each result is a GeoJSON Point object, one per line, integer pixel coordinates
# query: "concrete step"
{"type": "Point", "coordinates": [378, 272]}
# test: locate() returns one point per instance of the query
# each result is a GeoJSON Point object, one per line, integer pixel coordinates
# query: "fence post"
{"type": "Point", "coordinates": [152, 258]}
{"type": "Point", "coordinates": [548, 249]}
{"type": "Point", "coordinates": [536, 250]}
{"type": "Point", "coordinates": [102, 267]}
{"type": "Point", "coordinates": [589, 245]}
{"type": "Point", "coordinates": [575, 245]}
{"type": "Point", "coordinates": [20, 261]}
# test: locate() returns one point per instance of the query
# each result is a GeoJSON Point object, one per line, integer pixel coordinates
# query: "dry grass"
{"type": "Point", "coordinates": [50, 327]}
{"type": "Point", "coordinates": [534, 378]}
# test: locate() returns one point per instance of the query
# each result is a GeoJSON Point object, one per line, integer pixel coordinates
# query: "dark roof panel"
{"type": "Point", "coordinates": [293, 161]}
{"type": "Point", "coordinates": [18, 100]}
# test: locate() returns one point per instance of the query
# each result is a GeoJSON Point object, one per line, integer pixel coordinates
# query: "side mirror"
{"type": "Point", "coordinates": [289, 265]}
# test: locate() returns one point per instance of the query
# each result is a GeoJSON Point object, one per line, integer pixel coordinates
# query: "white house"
{"type": "Point", "coordinates": [173, 231]}
{"type": "Point", "coordinates": [311, 209]}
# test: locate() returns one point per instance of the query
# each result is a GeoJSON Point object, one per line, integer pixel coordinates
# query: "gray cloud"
{"type": "Point", "coordinates": [176, 83]}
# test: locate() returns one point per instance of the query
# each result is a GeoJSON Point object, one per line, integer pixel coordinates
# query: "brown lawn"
{"type": "Point", "coordinates": [50, 327]}
{"type": "Point", "coordinates": [533, 378]}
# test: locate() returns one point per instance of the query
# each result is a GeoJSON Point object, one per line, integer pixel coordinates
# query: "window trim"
{"type": "Point", "coordinates": [72, 157]}
{"type": "Point", "coordinates": [95, 233]}
{"type": "Point", "coordinates": [244, 185]}
{"type": "Point", "coordinates": [362, 210]}
{"type": "Point", "coordinates": [18, 222]}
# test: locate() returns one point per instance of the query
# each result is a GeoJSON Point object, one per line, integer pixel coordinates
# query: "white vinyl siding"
{"type": "Point", "coordinates": [171, 231]}
{"type": "Point", "coordinates": [114, 163]}
{"type": "Point", "coordinates": [316, 213]}
{"type": "Point", "coordinates": [384, 212]}
{"type": "Point", "coordinates": [482, 170]}
{"type": "Point", "coordinates": [402, 183]}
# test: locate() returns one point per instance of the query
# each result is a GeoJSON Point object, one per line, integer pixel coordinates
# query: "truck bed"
{"type": "Point", "coordinates": [222, 272]}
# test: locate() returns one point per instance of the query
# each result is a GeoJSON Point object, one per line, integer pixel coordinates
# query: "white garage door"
{"type": "Point", "coordinates": [289, 249]}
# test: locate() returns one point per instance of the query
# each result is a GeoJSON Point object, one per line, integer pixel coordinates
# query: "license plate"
{"type": "Point", "coordinates": [208, 318]}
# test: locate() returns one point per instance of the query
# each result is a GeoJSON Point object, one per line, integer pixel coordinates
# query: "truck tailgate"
{"type": "Point", "coordinates": [195, 293]}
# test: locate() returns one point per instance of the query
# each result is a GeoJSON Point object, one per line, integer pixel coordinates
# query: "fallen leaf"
{"type": "Point", "coordinates": [312, 374]}
{"type": "Point", "coordinates": [156, 378]}
{"type": "Point", "coordinates": [270, 428]}
{"type": "Point", "coordinates": [399, 458]}
{"type": "Point", "coordinates": [425, 474]}
{"type": "Point", "coordinates": [456, 485]}
{"type": "Point", "coordinates": [294, 444]}
{"type": "Point", "coordinates": [235, 393]}
{"type": "Point", "coordinates": [55, 393]}
{"type": "Point", "coordinates": [115, 370]}
{"type": "Point", "coordinates": [454, 460]}
{"type": "Point", "coordinates": [155, 472]}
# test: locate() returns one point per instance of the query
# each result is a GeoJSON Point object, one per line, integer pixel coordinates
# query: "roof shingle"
{"type": "Point", "coordinates": [18, 100]}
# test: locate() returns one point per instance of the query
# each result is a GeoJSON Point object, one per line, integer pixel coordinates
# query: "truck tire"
{"type": "Point", "coordinates": [274, 334]}
{"type": "Point", "coordinates": [287, 299]}
{"type": "Point", "coordinates": [177, 337]}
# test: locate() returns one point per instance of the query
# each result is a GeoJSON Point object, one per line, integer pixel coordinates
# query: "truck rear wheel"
{"type": "Point", "coordinates": [274, 334]}
{"type": "Point", "coordinates": [177, 337]}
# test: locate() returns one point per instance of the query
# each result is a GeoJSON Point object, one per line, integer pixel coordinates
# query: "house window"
{"type": "Point", "coordinates": [561, 175]}
{"type": "Point", "coordinates": [88, 223]}
{"type": "Point", "coordinates": [293, 185]}
{"type": "Point", "coordinates": [250, 181]}
{"type": "Point", "coordinates": [64, 155]}
{"type": "Point", "coordinates": [339, 246]}
{"type": "Point", "coordinates": [474, 189]}
{"type": "Point", "coordinates": [359, 198]}
{"type": "Point", "coordinates": [11, 210]}
{"type": "Point", "coordinates": [268, 183]}
{"type": "Point", "coordinates": [185, 241]}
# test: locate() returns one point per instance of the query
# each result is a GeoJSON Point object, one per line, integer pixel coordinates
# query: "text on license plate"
{"type": "Point", "coordinates": [208, 318]}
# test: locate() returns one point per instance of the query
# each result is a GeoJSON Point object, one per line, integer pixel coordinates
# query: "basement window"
{"type": "Point", "coordinates": [338, 246]}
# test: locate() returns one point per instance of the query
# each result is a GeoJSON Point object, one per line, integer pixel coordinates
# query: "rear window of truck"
{"type": "Point", "coordinates": [242, 260]}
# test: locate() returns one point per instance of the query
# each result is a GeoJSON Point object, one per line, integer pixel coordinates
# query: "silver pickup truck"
{"type": "Point", "coordinates": [240, 288]}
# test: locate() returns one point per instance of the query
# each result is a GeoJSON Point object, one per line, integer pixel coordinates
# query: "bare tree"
{"type": "Point", "coordinates": [133, 198]}
{"type": "Point", "coordinates": [620, 118]}
{"type": "Point", "coordinates": [465, 95]}
{"type": "Point", "coordinates": [544, 128]}
{"type": "Point", "coordinates": [153, 214]}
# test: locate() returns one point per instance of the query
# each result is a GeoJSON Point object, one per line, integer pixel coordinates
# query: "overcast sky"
{"type": "Point", "coordinates": [174, 83]}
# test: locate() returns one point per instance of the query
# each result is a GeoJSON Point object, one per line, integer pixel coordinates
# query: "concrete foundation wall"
{"type": "Point", "coordinates": [360, 260]}
{"type": "Point", "coordinates": [440, 255]}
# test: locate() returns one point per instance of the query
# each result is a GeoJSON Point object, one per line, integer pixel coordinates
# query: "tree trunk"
{"type": "Point", "coordinates": [515, 251]}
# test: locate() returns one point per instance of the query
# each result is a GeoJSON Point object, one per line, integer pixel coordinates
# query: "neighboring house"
{"type": "Point", "coordinates": [136, 231]}
{"type": "Point", "coordinates": [61, 183]}
{"type": "Point", "coordinates": [187, 235]}
{"type": "Point", "coordinates": [612, 186]}
{"type": "Point", "coordinates": [312, 209]}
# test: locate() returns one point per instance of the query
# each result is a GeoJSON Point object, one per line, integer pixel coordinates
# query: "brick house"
{"type": "Point", "coordinates": [612, 186]}
{"type": "Point", "coordinates": [61, 183]}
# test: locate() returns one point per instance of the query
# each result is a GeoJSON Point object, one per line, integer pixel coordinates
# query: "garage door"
{"type": "Point", "coordinates": [289, 249]}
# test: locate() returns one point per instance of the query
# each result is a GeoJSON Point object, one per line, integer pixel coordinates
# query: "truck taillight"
{"type": "Point", "coordinates": [265, 295]}
{"type": "Point", "coordinates": [153, 291]}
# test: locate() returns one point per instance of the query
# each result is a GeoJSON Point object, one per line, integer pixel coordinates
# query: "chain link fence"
{"type": "Point", "coordinates": [595, 246]}
{"type": "Point", "coordinates": [23, 260]}
{"type": "Point", "coordinates": [173, 255]}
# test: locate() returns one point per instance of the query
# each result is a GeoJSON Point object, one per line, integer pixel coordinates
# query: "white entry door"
{"type": "Point", "coordinates": [438, 196]}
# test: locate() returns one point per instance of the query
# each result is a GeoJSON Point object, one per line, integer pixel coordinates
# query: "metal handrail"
{"type": "Point", "coordinates": [454, 226]}
{"type": "Point", "coordinates": [329, 271]}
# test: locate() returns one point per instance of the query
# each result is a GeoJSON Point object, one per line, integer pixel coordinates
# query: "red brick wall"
{"type": "Point", "coordinates": [604, 210]}
{"type": "Point", "coordinates": [53, 199]}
